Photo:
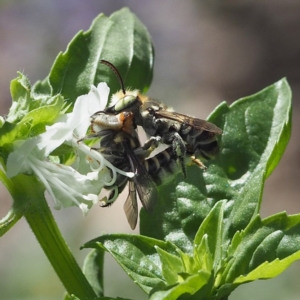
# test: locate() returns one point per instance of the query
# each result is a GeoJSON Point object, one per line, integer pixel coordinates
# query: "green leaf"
{"type": "Point", "coordinates": [263, 250]}
{"type": "Point", "coordinates": [269, 269]}
{"type": "Point", "coordinates": [25, 101]}
{"type": "Point", "coordinates": [93, 270]}
{"type": "Point", "coordinates": [193, 285]}
{"type": "Point", "coordinates": [28, 115]}
{"type": "Point", "coordinates": [223, 201]}
{"type": "Point", "coordinates": [202, 255]}
{"type": "Point", "coordinates": [32, 123]}
{"type": "Point", "coordinates": [256, 130]}
{"type": "Point", "coordinates": [42, 88]}
{"type": "Point", "coordinates": [43, 115]}
{"type": "Point", "coordinates": [212, 227]}
{"type": "Point", "coordinates": [159, 266]}
{"type": "Point", "coordinates": [189, 265]}
{"type": "Point", "coordinates": [122, 40]}
{"type": "Point", "coordinates": [171, 266]}
{"type": "Point", "coordinates": [136, 255]}
{"type": "Point", "coordinates": [275, 238]}
{"type": "Point", "coordinates": [20, 92]}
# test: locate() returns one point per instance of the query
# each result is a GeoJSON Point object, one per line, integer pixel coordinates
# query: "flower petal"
{"type": "Point", "coordinates": [17, 160]}
{"type": "Point", "coordinates": [87, 105]}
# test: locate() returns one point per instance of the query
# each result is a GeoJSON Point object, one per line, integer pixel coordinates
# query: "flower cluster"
{"type": "Point", "coordinates": [80, 184]}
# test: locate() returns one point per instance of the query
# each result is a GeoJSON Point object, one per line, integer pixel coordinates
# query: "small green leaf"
{"type": "Point", "coordinates": [136, 255]}
{"type": "Point", "coordinates": [171, 266]}
{"type": "Point", "coordinates": [202, 255]}
{"type": "Point", "coordinates": [93, 270]}
{"type": "Point", "coordinates": [281, 127]}
{"type": "Point", "coordinates": [122, 40]}
{"type": "Point", "coordinates": [44, 115]}
{"type": "Point", "coordinates": [38, 115]}
{"type": "Point", "coordinates": [28, 115]}
{"type": "Point", "coordinates": [189, 265]}
{"type": "Point", "coordinates": [192, 286]}
{"type": "Point", "coordinates": [20, 92]}
{"type": "Point", "coordinates": [268, 269]}
{"type": "Point", "coordinates": [273, 239]}
{"type": "Point", "coordinates": [25, 101]}
{"type": "Point", "coordinates": [42, 88]}
{"type": "Point", "coordinates": [212, 227]}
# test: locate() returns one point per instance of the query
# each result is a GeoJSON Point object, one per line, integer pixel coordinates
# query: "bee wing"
{"type": "Point", "coordinates": [191, 121]}
{"type": "Point", "coordinates": [130, 206]}
{"type": "Point", "coordinates": [146, 190]}
{"type": "Point", "coordinates": [143, 182]}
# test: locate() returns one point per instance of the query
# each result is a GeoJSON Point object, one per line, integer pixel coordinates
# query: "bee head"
{"type": "Point", "coordinates": [121, 102]}
{"type": "Point", "coordinates": [122, 99]}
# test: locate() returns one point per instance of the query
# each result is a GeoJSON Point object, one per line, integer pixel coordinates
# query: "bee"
{"type": "Point", "coordinates": [186, 135]}
{"type": "Point", "coordinates": [120, 145]}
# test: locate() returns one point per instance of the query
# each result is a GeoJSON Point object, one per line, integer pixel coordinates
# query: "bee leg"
{"type": "Point", "coordinates": [198, 162]}
{"type": "Point", "coordinates": [149, 146]}
{"type": "Point", "coordinates": [152, 143]}
{"type": "Point", "coordinates": [179, 148]}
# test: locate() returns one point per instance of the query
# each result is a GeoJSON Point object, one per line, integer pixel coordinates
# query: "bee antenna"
{"type": "Point", "coordinates": [117, 73]}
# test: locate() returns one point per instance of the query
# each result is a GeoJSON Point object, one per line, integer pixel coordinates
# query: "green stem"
{"type": "Point", "coordinates": [9, 221]}
{"type": "Point", "coordinates": [14, 215]}
{"type": "Point", "coordinates": [31, 201]}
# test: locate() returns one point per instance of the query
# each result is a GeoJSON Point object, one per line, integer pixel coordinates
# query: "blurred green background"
{"type": "Point", "coordinates": [206, 52]}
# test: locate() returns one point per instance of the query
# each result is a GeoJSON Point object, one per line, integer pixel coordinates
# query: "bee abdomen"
{"type": "Point", "coordinates": [162, 166]}
{"type": "Point", "coordinates": [206, 143]}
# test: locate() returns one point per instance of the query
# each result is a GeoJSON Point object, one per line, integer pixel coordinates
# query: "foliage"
{"type": "Point", "coordinates": [205, 237]}
{"type": "Point", "coordinates": [214, 237]}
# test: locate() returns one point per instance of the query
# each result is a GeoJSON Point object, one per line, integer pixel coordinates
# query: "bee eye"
{"type": "Point", "coordinates": [125, 102]}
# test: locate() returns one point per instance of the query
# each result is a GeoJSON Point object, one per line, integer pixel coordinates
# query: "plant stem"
{"type": "Point", "coordinates": [14, 215]}
{"type": "Point", "coordinates": [30, 199]}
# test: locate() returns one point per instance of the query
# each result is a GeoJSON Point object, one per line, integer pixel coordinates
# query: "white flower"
{"type": "Point", "coordinates": [77, 122]}
{"type": "Point", "coordinates": [67, 186]}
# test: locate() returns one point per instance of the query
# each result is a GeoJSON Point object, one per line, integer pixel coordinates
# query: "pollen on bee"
{"type": "Point", "coordinates": [128, 125]}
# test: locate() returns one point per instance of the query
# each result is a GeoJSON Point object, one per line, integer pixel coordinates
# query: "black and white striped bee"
{"type": "Point", "coordinates": [186, 135]}
{"type": "Point", "coordinates": [119, 144]}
